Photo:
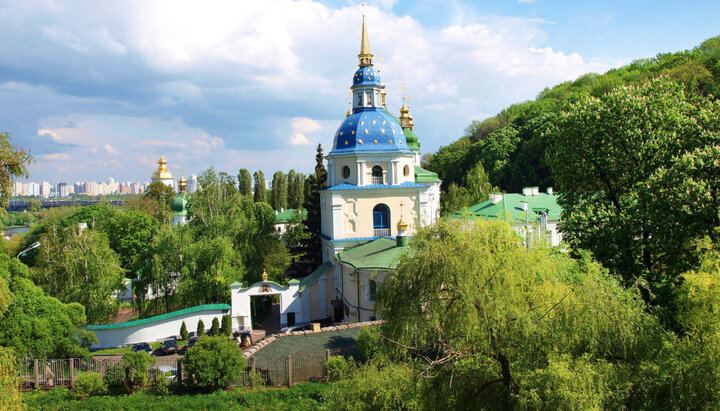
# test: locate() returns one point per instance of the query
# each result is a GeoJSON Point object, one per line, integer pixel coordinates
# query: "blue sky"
{"type": "Point", "coordinates": [99, 89]}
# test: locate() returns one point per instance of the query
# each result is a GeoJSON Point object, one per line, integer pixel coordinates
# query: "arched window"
{"type": "Point", "coordinates": [381, 220]}
{"type": "Point", "coordinates": [406, 170]}
{"type": "Point", "coordinates": [346, 172]}
{"type": "Point", "coordinates": [377, 175]}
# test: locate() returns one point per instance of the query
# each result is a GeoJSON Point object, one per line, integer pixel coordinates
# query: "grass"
{"type": "Point", "coordinates": [317, 342]}
{"type": "Point", "coordinates": [300, 397]}
{"type": "Point", "coordinates": [125, 350]}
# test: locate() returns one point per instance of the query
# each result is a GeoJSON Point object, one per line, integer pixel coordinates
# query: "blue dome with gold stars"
{"type": "Point", "coordinates": [366, 76]}
{"type": "Point", "coordinates": [370, 130]}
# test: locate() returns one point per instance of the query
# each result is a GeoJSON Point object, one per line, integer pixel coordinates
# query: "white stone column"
{"type": "Point", "coordinates": [361, 173]}
{"type": "Point", "coordinates": [394, 168]}
{"type": "Point", "coordinates": [331, 172]}
{"type": "Point", "coordinates": [337, 220]}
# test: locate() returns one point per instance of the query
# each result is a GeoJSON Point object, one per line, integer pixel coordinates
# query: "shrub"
{"type": "Point", "coordinates": [214, 362]}
{"type": "Point", "coordinates": [337, 368]}
{"type": "Point", "coordinates": [226, 325]}
{"type": "Point", "coordinates": [200, 328]}
{"type": "Point", "coordinates": [215, 327]}
{"type": "Point", "coordinates": [184, 334]}
{"type": "Point", "coordinates": [136, 369]}
{"type": "Point", "coordinates": [369, 343]}
{"type": "Point", "coordinates": [88, 384]}
{"type": "Point", "coordinates": [114, 375]}
{"type": "Point", "coordinates": [388, 387]}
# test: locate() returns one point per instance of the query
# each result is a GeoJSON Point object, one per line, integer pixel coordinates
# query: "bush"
{"type": "Point", "coordinates": [136, 369]}
{"type": "Point", "coordinates": [215, 327]}
{"type": "Point", "coordinates": [337, 368]}
{"type": "Point", "coordinates": [114, 375]}
{"type": "Point", "coordinates": [184, 334]}
{"type": "Point", "coordinates": [388, 387]}
{"type": "Point", "coordinates": [226, 325]}
{"type": "Point", "coordinates": [200, 328]}
{"type": "Point", "coordinates": [214, 362]}
{"type": "Point", "coordinates": [88, 384]}
{"type": "Point", "coordinates": [369, 343]}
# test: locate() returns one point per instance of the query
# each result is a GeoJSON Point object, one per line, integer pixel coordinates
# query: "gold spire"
{"type": "Point", "coordinates": [182, 184]}
{"type": "Point", "coordinates": [401, 225]}
{"type": "Point", "coordinates": [406, 119]}
{"type": "Point", "coordinates": [365, 55]}
{"type": "Point", "coordinates": [264, 275]}
{"type": "Point", "coordinates": [349, 112]}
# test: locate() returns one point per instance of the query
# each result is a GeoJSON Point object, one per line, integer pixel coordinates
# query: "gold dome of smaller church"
{"type": "Point", "coordinates": [162, 173]}
{"type": "Point", "coordinates": [402, 225]}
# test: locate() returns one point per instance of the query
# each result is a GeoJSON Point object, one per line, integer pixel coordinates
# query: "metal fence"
{"type": "Point", "coordinates": [274, 371]}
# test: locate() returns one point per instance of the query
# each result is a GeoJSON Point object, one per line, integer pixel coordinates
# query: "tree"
{"type": "Point", "coordinates": [226, 327]}
{"type": "Point", "coordinates": [487, 322]}
{"type": "Point", "coordinates": [136, 369]}
{"type": "Point", "coordinates": [184, 335]}
{"type": "Point", "coordinates": [637, 171]}
{"type": "Point", "coordinates": [79, 266]}
{"type": "Point", "coordinates": [13, 163]}
{"type": "Point", "coordinates": [38, 325]}
{"type": "Point", "coordinates": [215, 327]}
{"type": "Point", "coordinates": [163, 194]}
{"type": "Point", "coordinates": [260, 190]}
{"type": "Point", "coordinates": [317, 181]}
{"type": "Point", "coordinates": [292, 194]}
{"type": "Point", "coordinates": [200, 328]}
{"type": "Point", "coordinates": [130, 233]}
{"type": "Point", "coordinates": [215, 362]}
{"type": "Point", "coordinates": [279, 191]}
{"type": "Point", "coordinates": [244, 182]}
{"type": "Point", "coordinates": [34, 205]}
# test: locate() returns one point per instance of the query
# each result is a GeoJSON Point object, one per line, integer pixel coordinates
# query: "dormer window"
{"type": "Point", "coordinates": [359, 100]}
{"type": "Point", "coordinates": [377, 175]}
{"type": "Point", "coordinates": [369, 99]}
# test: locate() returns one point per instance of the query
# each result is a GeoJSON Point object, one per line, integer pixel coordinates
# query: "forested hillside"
{"type": "Point", "coordinates": [511, 146]}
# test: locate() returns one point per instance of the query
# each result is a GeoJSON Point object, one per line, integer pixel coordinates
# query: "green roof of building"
{"type": "Point", "coordinates": [425, 176]}
{"type": "Point", "coordinates": [312, 277]}
{"type": "Point", "coordinates": [289, 215]}
{"type": "Point", "coordinates": [512, 207]}
{"type": "Point", "coordinates": [412, 139]}
{"type": "Point", "coordinates": [179, 204]}
{"type": "Point", "coordinates": [199, 308]}
{"type": "Point", "coordinates": [380, 254]}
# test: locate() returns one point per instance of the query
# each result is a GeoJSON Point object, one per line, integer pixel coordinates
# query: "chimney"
{"type": "Point", "coordinates": [527, 191]}
{"type": "Point", "coordinates": [550, 190]}
{"type": "Point", "coordinates": [524, 205]}
{"type": "Point", "coordinates": [496, 197]}
{"type": "Point", "coordinates": [536, 191]}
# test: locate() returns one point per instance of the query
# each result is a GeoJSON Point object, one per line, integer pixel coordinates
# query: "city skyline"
{"type": "Point", "coordinates": [98, 90]}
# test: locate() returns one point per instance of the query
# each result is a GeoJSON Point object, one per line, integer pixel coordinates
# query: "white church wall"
{"type": "Point", "coordinates": [290, 301]}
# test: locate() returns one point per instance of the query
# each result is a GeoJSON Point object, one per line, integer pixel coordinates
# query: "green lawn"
{"type": "Point", "coordinates": [305, 396]}
{"type": "Point", "coordinates": [318, 342]}
{"type": "Point", "coordinates": [125, 350]}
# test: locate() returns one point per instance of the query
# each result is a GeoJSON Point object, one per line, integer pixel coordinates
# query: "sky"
{"type": "Point", "coordinates": [98, 89]}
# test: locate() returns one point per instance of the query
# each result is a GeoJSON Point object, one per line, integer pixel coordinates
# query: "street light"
{"type": "Point", "coordinates": [33, 246]}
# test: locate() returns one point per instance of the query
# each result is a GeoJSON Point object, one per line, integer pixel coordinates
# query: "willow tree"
{"type": "Point", "coordinates": [13, 163]}
{"type": "Point", "coordinates": [488, 322]}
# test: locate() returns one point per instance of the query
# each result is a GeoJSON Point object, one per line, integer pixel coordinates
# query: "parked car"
{"type": "Point", "coordinates": [170, 347]}
{"type": "Point", "coordinates": [243, 337]}
{"type": "Point", "coordinates": [143, 346]}
{"type": "Point", "coordinates": [191, 342]}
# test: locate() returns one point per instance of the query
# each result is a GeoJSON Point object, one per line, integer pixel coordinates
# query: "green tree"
{"type": "Point", "coordinates": [292, 192]}
{"type": "Point", "coordinates": [215, 362]}
{"type": "Point", "coordinates": [184, 334]}
{"type": "Point", "coordinates": [34, 205]}
{"type": "Point", "coordinates": [130, 233]}
{"type": "Point", "coordinates": [244, 182]}
{"type": "Point", "coordinates": [162, 272]}
{"type": "Point", "coordinates": [317, 181]}
{"type": "Point", "coordinates": [136, 370]}
{"type": "Point", "coordinates": [260, 190]}
{"type": "Point", "coordinates": [279, 192]}
{"type": "Point", "coordinates": [226, 327]}
{"type": "Point", "coordinates": [467, 305]}
{"type": "Point", "coordinates": [209, 266]}
{"type": "Point", "coordinates": [637, 174]}
{"type": "Point", "coordinates": [39, 325]}
{"type": "Point", "coordinates": [13, 163]}
{"type": "Point", "coordinates": [78, 266]}
{"type": "Point", "coordinates": [215, 327]}
{"type": "Point", "coordinates": [200, 328]}
{"type": "Point", "coordinates": [162, 194]}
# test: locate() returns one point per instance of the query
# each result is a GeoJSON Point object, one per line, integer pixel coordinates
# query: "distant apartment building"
{"type": "Point", "coordinates": [45, 189]}
{"type": "Point", "coordinates": [192, 183]}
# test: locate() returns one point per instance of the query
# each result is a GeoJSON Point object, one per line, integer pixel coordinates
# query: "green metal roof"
{"type": "Point", "coordinates": [312, 277]}
{"type": "Point", "coordinates": [381, 254]}
{"type": "Point", "coordinates": [511, 206]}
{"type": "Point", "coordinates": [289, 215]}
{"type": "Point", "coordinates": [199, 308]}
{"type": "Point", "coordinates": [425, 176]}
{"type": "Point", "coordinates": [412, 139]}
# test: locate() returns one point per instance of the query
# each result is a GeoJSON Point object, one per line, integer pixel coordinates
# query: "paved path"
{"type": "Point", "coordinates": [317, 342]}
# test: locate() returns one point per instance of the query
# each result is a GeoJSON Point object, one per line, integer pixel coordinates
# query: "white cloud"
{"type": "Point", "coordinates": [301, 126]}
{"type": "Point", "coordinates": [50, 133]}
{"type": "Point", "coordinates": [299, 139]}
{"type": "Point", "coordinates": [110, 149]}
{"type": "Point", "coordinates": [56, 156]}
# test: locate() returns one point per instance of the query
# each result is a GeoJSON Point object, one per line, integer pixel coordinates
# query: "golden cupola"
{"type": "Point", "coordinates": [406, 119]}
{"type": "Point", "coordinates": [162, 173]}
{"type": "Point", "coordinates": [182, 184]}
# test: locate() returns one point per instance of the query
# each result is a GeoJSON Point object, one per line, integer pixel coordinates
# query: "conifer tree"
{"type": "Point", "coordinates": [226, 325]}
{"type": "Point", "coordinates": [316, 181]}
{"type": "Point", "coordinates": [200, 328]}
{"type": "Point", "coordinates": [260, 189]}
{"type": "Point", "coordinates": [279, 191]}
{"type": "Point", "coordinates": [215, 327]}
{"type": "Point", "coordinates": [184, 335]}
{"type": "Point", "coordinates": [244, 182]}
